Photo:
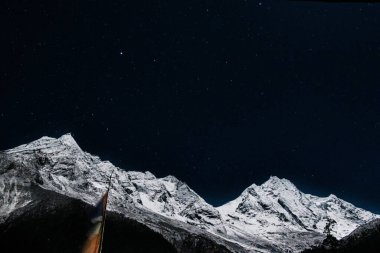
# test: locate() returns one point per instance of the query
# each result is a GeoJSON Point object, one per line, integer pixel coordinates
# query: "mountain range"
{"type": "Point", "coordinates": [52, 182]}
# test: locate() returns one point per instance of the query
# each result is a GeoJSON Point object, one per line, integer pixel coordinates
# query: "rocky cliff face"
{"type": "Point", "coordinates": [273, 217]}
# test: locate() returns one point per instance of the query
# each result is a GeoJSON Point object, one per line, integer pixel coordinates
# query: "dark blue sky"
{"type": "Point", "coordinates": [221, 94]}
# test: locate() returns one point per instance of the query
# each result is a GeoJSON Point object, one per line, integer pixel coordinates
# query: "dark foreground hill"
{"type": "Point", "coordinates": [60, 224]}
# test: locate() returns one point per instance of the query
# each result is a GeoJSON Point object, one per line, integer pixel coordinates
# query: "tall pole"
{"type": "Point", "coordinates": [105, 213]}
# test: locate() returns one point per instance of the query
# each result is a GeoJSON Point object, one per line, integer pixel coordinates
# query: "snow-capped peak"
{"type": "Point", "coordinates": [67, 139]}
{"type": "Point", "coordinates": [279, 183]}
{"type": "Point", "coordinates": [46, 142]}
{"type": "Point", "coordinates": [278, 205]}
{"type": "Point", "coordinates": [61, 165]}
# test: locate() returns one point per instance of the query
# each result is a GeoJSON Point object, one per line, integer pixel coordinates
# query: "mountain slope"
{"type": "Point", "coordinates": [273, 217]}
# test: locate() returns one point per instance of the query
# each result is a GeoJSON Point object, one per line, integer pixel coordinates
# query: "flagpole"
{"type": "Point", "coordinates": [102, 228]}
{"type": "Point", "coordinates": [105, 214]}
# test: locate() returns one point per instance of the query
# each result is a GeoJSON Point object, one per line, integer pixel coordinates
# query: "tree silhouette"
{"type": "Point", "coordinates": [330, 242]}
{"type": "Point", "coordinates": [329, 224]}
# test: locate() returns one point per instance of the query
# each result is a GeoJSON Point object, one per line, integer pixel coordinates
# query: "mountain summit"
{"type": "Point", "coordinates": [272, 217]}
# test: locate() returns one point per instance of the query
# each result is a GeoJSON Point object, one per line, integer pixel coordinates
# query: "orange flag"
{"type": "Point", "coordinates": [95, 237]}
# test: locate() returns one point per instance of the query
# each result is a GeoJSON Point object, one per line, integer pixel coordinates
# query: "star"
{"type": "Point", "coordinates": [121, 52]}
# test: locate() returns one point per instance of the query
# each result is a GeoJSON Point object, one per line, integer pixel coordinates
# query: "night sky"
{"type": "Point", "coordinates": [221, 94]}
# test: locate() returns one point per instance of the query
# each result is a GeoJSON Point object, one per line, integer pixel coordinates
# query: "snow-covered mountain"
{"type": "Point", "coordinates": [272, 217]}
{"type": "Point", "coordinates": [277, 207]}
